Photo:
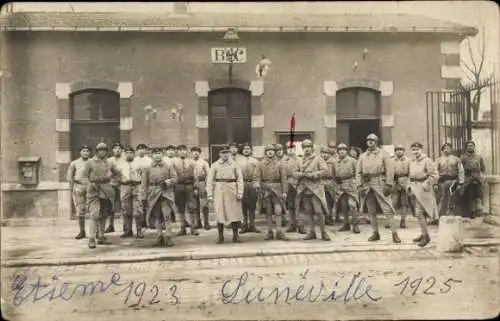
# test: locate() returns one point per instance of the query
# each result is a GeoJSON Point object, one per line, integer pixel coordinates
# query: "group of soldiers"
{"type": "Point", "coordinates": [152, 190]}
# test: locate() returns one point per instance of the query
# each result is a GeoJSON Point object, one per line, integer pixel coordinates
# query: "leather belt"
{"type": "Point", "coordinates": [131, 183]}
{"type": "Point", "coordinates": [343, 178]}
{"type": "Point", "coordinates": [271, 181]}
{"type": "Point", "coordinates": [447, 177]}
{"type": "Point", "coordinates": [248, 180]}
{"type": "Point", "coordinates": [185, 183]}
{"type": "Point", "coordinates": [225, 180]}
{"type": "Point", "coordinates": [156, 184]}
{"type": "Point", "coordinates": [77, 182]}
{"type": "Point", "coordinates": [413, 179]}
{"type": "Point", "coordinates": [372, 175]}
{"type": "Point", "coordinates": [399, 176]}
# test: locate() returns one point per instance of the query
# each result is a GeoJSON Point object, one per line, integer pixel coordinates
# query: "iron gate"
{"type": "Point", "coordinates": [448, 121]}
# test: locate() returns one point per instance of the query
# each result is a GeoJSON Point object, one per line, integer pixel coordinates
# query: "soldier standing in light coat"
{"type": "Point", "coordinates": [423, 175]}
{"type": "Point", "coordinates": [224, 193]}
{"type": "Point", "coordinates": [270, 180]}
{"type": "Point", "coordinates": [280, 155]}
{"type": "Point", "coordinates": [79, 187]}
{"type": "Point", "coordinates": [98, 171]}
{"type": "Point", "coordinates": [346, 192]}
{"type": "Point", "coordinates": [157, 192]}
{"type": "Point", "coordinates": [401, 172]}
{"type": "Point", "coordinates": [144, 162]}
{"type": "Point", "coordinates": [334, 154]}
{"type": "Point", "coordinates": [200, 191]}
{"type": "Point", "coordinates": [132, 209]}
{"type": "Point", "coordinates": [290, 162]}
{"type": "Point", "coordinates": [450, 172]}
{"type": "Point", "coordinates": [117, 150]}
{"type": "Point", "coordinates": [310, 190]}
{"type": "Point", "coordinates": [328, 182]}
{"type": "Point", "coordinates": [375, 176]}
{"type": "Point", "coordinates": [247, 164]}
{"type": "Point", "coordinates": [184, 190]}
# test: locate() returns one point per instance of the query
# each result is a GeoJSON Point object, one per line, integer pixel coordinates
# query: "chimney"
{"type": "Point", "coordinates": [181, 8]}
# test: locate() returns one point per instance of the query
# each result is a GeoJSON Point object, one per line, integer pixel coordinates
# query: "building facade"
{"type": "Point", "coordinates": [70, 79]}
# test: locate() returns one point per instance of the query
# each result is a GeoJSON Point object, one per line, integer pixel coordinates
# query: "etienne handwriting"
{"type": "Point", "coordinates": [426, 285]}
{"type": "Point", "coordinates": [25, 290]}
{"type": "Point", "coordinates": [238, 291]}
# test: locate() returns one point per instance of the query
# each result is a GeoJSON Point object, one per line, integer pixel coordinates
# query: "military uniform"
{"type": "Point", "coordinates": [100, 194]}
{"type": "Point", "coordinates": [132, 209]}
{"type": "Point", "coordinates": [200, 176]}
{"type": "Point", "coordinates": [115, 184]}
{"type": "Point", "coordinates": [248, 164]}
{"type": "Point", "coordinates": [157, 190]}
{"type": "Point", "coordinates": [346, 193]}
{"type": "Point", "coordinates": [422, 176]}
{"type": "Point", "coordinates": [451, 174]}
{"type": "Point", "coordinates": [375, 176]}
{"type": "Point", "coordinates": [311, 191]}
{"type": "Point", "coordinates": [399, 196]}
{"type": "Point", "coordinates": [329, 183]}
{"type": "Point", "coordinates": [79, 185]}
{"type": "Point", "coordinates": [270, 178]}
{"type": "Point", "coordinates": [333, 157]}
{"type": "Point", "coordinates": [290, 162]}
{"type": "Point", "coordinates": [225, 191]}
{"type": "Point", "coordinates": [474, 168]}
{"type": "Point", "coordinates": [280, 155]}
{"type": "Point", "coordinates": [184, 193]}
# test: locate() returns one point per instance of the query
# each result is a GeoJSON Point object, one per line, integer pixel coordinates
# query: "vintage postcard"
{"type": "Point", "coordinates": [250, 161]}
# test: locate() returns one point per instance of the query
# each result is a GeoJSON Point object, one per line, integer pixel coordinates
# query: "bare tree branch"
{"type": "Point", "coordinates": [471, 54]}
{"type": "Point", "coordinates": [467, 66]}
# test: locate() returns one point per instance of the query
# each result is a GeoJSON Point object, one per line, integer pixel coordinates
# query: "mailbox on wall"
{"type": "Point", "coordinates": [29, 170]}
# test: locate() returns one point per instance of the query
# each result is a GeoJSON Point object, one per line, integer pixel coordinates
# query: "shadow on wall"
{"type": "Point", "coordinates": [29, 204]}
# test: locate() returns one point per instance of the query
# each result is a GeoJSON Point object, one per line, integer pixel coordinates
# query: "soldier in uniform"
{"type": "Point", "coordinates": [290, 162]}
{"type": "Point", "coordinates": [326, 154]}
{"type": "Point", "coordinates": [280, 154]}
{"type": "Point", "coordinates": [224, 193]}
{"type": "Point", "coordinates": [170, 154]}
{"type": "Point", "coordinates": [333, 158]}
{"type": "Point", "coordinates": [270, 180]}
{"type": "Point", "coordinates": [131, 170]}
{"type": "Point", "coordinates": [346, 193]}
{"type": "Point", "coordinates": [98, 171]}
{"type": "Point", "coordinates": [79, 187]}
{"type": "Point", "coordinates": [235, 151]}
{"type": "Point", "coordinates": [184, 190]}
{"type": "Point", "coordinates": [157, 194]}
{"type": "Point", "coordinates": [200, 187]}
{"type": "Point", "coordinates": [423, 175]}
{"type": "Point", "coordinates": [310, 190]}
{"type": "Point", "coordinates": [171, 159]}
{"type": "Point", "coordinates": [375, 176]}
{"type": "Point", "coordinates": [247, 164]}
{"type": "Point", "coordinates": [401, 172]}
{"type": "Point", "coordinates": [144, 161]}
{"type": "Point", "coordinates": [451, 173]}
{"type": "Point", "coordinates": [117, 150]}
{"type": "Point", "coordinates": [472, 190]}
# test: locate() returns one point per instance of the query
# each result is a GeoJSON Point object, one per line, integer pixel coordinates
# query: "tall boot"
{"type": "Point", "coordinates": [193, 225]}
{"type": "Point", "coordinates": [81, 225]}
{"type": "Point", "coordinates": [138, 227]}
{"type": "Point", "coordinates": [220, 230]}
{"type": "Point", "coordinates": [102, 239]}
{"type": "Point", "coordinates": [199, 225]}
{"type": "Point", "coordinates": [127, 227]}
{"type": "Point", "coordinates": [111, 227]}
{"type": "Point", "coordinates": [245, 228]}
{"type": "Point", "coordinates": [234, 226]}
{"type": "Point", "coordinates": [92, 232]}
{"type": "Point", "coordinates": [206, 223]}
{"type": "Point", "coordinates": [251, 227]}
{"type": "Point", "coordinates": [184, 224]}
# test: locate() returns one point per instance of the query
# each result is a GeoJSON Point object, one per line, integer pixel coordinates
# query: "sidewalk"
{"type": "Point", "coordinates": [51, 243]}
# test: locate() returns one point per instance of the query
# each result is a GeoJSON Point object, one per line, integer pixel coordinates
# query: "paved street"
{"type": "Point", "coordinates": [41, 244]}
{"type": "Point", "coordinates": [412, 284]}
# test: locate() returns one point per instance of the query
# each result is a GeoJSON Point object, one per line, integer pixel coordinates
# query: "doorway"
{"type": "Point", "coordinates": [353, 132]}
{"type": "Point", "coordinates": [230, 118]}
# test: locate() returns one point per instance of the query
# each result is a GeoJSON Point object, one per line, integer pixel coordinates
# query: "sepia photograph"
{"type": "Point", "coordinates": [250, 160]}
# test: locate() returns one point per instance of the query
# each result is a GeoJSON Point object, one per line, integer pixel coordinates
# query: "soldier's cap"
{"type": "Point", "coordinates": [85, 147]}
{"type": "Point", "coordinates": [128, 149]}
{"type": "Point", "coordinates": [342, 146]}
{"type": "Point", "coordinates": [399, 147]}
{"type": "Point", "coordinates": [101, 146]}
{"type": "Point", "coordinates": [141, 146]}
{"type": "Point", "coordinates": [170, 147]}
{"type": "Point", "coordinates": [470, 142]}
{"type": "Point", "coordinates": [224, 149]}
{"type": "Point", "coordinates": [246, 145]}
{"type": "Point", "coordinates": [417, 145]}
{"type": "Point", "coordinates": [156, 150]}
{"type": "Point", "coordinates": [325, 149]}
{"type": "Point", "coordinates": [444, 145]}
{"type": "Point", "coordinates": [372, 137]}
{"type": "Point", "coordinates": [278, 147]}
{"type": "Point", "coordinates": [117, 144]}
{"type": "Point", "coordinates": [307, 143]}
{"type": "Point", "coordinates": [269, 147]}
{"type": "Point", "coordinates": [182, 147]}
{"type": "Point", "coordinates": [196, 149]}
{"type": "Point", "coordinates": [233, 144]}
{"type": "Point", "coordinates": [332, 145]}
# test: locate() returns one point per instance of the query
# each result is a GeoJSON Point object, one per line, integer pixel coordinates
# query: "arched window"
{"type": "Point", "coordinates": [95, 117]}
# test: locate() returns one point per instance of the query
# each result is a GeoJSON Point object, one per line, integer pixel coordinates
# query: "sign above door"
{"type": "Point", "coordinates": [221, 55]}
